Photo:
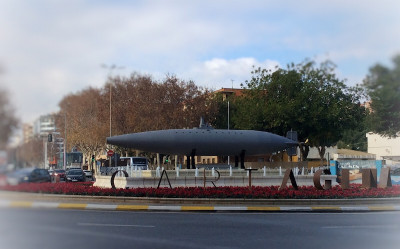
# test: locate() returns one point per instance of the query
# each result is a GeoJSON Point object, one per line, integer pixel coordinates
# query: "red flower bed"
{"type": "Point", "coordinates": [210, 192]}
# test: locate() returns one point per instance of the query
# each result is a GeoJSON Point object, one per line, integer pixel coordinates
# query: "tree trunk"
{"type": "Point", "coordinates": [304, 150]}
{"type": "Point", "coordinates": [321, 151]}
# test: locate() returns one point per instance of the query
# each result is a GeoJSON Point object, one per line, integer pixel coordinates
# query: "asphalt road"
{"type": "Point", "coordinates": [73, 229]}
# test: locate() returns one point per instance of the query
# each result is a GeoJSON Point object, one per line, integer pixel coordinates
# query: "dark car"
{"type": "Point", "coordinates": [75, 175]}
{"type": "Point", "coordinates": [28, 175]}
{"type": "Point", "coordinates": [58, 174]}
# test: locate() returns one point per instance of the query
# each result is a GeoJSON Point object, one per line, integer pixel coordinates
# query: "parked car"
{"type": "Point", "coordinates": [28, 175]}
{"type": "Point", "coordinates": [88, 174]}
{"type": "Point", "coordinates": [58, 173]}
{"type": "Point", "coordinates": [75, 175]}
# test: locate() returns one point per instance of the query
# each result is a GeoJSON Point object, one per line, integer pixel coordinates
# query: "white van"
{"type": "Point", "coordinates": [136, 162]}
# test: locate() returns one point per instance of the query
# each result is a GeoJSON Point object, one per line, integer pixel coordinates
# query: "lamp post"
{"type": "Point", "coordinates": [229, 163]}
{"type": "Point", "coordinates": [110, 69]}
{"type": "Point", "coordinates": [65, 142]}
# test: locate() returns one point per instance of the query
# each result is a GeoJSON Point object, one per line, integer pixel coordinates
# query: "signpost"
{"type": "Point", "coordinates": [110, 153]}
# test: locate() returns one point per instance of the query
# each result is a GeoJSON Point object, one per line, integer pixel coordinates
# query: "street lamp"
{"type": "Point", "coordinates": [65, 142]}
{"type": "Point", "coordinates": [229, 163]}
{"type": "Point", "coordinates": [110, 69]}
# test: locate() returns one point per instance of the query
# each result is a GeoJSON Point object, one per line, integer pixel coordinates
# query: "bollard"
{"type": "Point", "coordinates": [230, 170]}
{"type": "Point", "coordinates": [196, 172]}
{"type": "Point", "coordinates": [280, 170]}
{"type": "Point", "coordinates": [213, 172]}
{"type": "Point", "coordinates": [265, 171]}
{"type": "Point", "coordinates": [248, 174]}
{"type": "Point", "coordinates": [158, 171]}
{"type": "Point", "coordinates": [204, 177]}
{"type": "Point", "coordinates": [177, 171]}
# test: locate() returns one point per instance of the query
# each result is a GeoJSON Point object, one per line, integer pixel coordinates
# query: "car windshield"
{"type": "Point", "coordinates": [139, 160]}
{"type": "Point", "coordinates": [75, 172]}
{"type": "Point", "coordinates": [25, 171]}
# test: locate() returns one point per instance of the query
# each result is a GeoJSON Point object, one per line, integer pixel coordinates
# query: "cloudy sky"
{"type": "Point", "coordinates": [51, 48]}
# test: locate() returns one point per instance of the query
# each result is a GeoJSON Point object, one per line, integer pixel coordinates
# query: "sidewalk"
{"type": "Point", "coordinates": [31, 200]}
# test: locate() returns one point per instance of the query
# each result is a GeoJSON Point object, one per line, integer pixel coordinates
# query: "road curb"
{"type": "Point", "coordinates": [119, 203]}
{"type": "Point", "coordinates": [9, 195]}
{"type": "Point", "coordinates": [192, 208]}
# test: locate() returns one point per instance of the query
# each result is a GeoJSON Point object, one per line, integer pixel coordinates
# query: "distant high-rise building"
{"type": "Point", "coordinates": [44, 125]}
{"type": "Point", "coordinates": [27, 133]}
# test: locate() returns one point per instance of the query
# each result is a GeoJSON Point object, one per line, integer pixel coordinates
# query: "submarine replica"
{"type": "Point", "coordinates": [206, 141]}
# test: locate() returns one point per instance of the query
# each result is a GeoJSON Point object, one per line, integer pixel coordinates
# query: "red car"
{"type": "Point", "coordinates": [58, 173]}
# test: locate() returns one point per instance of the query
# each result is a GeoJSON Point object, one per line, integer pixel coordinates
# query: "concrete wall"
{"type": "Point", "coordinates": [383, 146]}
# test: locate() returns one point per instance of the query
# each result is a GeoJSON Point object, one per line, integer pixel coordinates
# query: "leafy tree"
{"type": "Point", "coordinates": [354, 139]}
{"type": "Point", "coordinates": [8, 120]}
{"type": "Point", "coordinates": [305, 98]}
{"type": "Point", "coordinates": [383, 86]}
{"type": "Point", "coordinates": [218, 111]}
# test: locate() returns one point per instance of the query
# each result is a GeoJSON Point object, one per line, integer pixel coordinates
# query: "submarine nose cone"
{"type": "Point", "coordinates": [115, 140]}
{"type": "Point", "coordinates": [109, 140]}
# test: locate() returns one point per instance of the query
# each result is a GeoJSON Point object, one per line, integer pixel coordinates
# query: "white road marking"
{"type": "Point", "coordinates": [362, 226]}
{"type": "Point", "coordinates": [113, 225]}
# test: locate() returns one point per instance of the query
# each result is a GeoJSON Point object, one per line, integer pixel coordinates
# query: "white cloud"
{"type": "Point", "coordinates": [51, 48]}
{"type": "Point", "coordinates": [218, 72]}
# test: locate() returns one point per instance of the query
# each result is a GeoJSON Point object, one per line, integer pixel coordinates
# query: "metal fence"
{"type": "Point", "coordinates": [199, 172]}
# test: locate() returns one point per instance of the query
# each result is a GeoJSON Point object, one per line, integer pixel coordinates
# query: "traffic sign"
{"type": "Point", "coordinates": [110, 153]}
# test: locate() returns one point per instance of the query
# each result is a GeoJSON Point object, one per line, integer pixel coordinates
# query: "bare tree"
{"type": "Point", "coordinates": [138, 103]}
{"type": "Point", "coordinates": [81, 117]}
{"type": "Point", "coordinates": [8, 120]}
{"type": "Point", "coordinates": [31, 153]}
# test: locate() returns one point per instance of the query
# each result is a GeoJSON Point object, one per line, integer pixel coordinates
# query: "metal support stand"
{"type": "Point", "coordinates": [188, 162]}
{"type": "Point", "coordinates": [166, 175]}
{"type": "Point", "coordinates": [193, 155]}
{"type": "Point", "coordinates": [242, 159]}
